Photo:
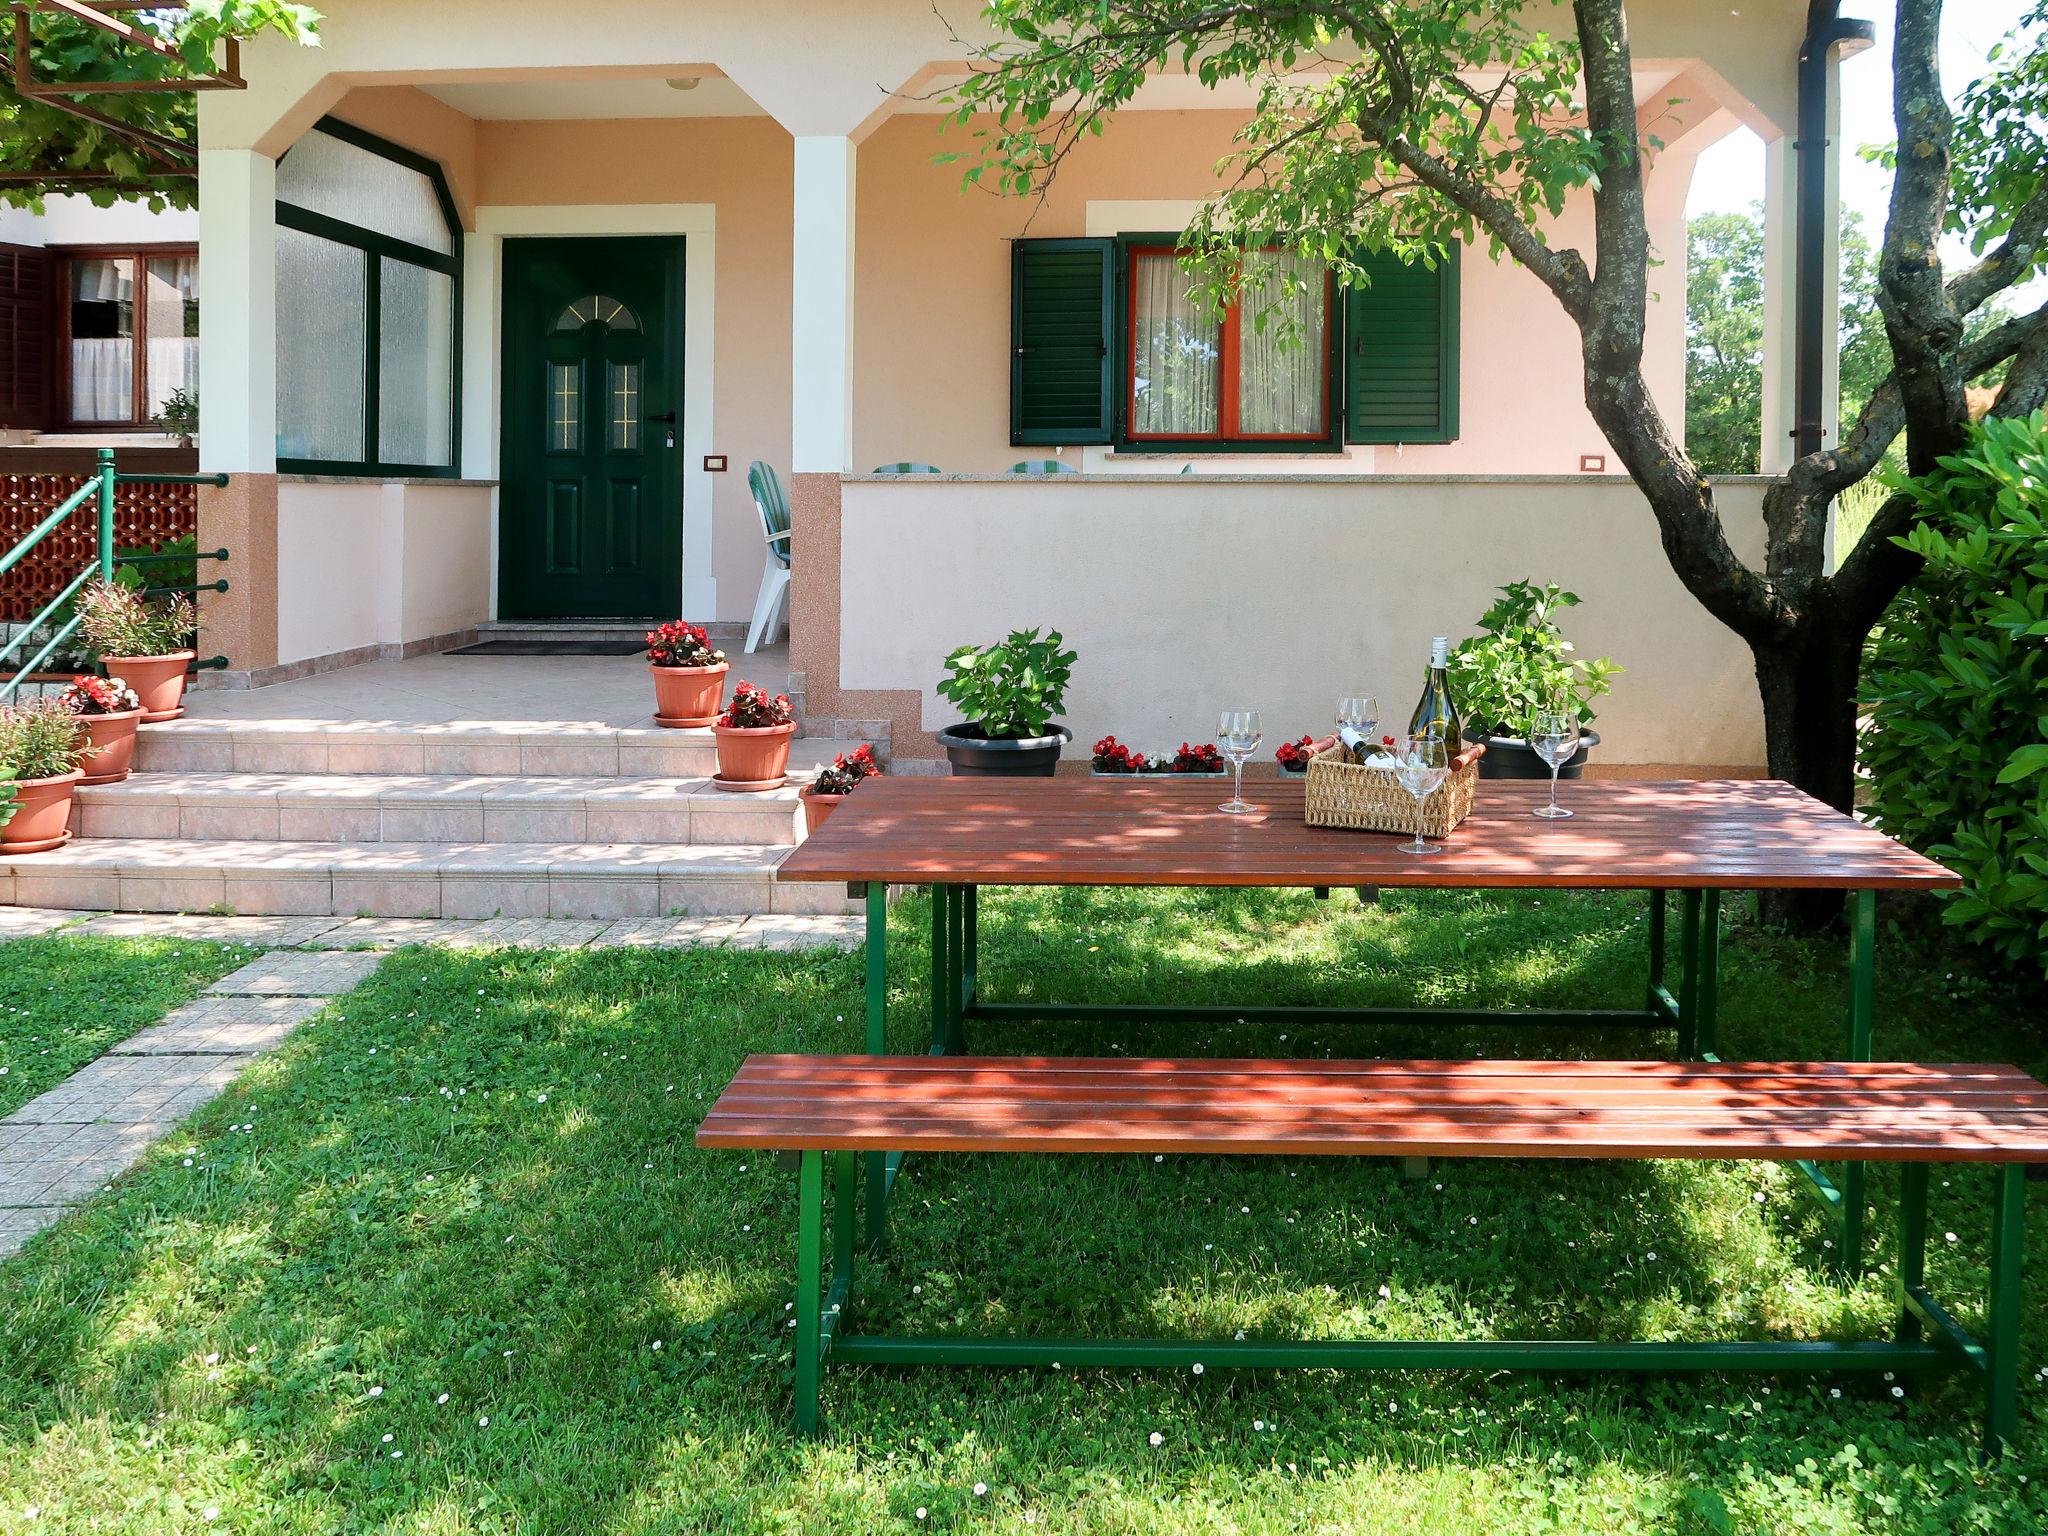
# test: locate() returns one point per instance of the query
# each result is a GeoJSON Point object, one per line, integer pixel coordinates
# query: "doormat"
{"type": "Point", "coordinates": [551, 648]}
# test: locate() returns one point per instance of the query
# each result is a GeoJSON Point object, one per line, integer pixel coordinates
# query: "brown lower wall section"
{"type": "Point", "coordinates": [815, 598]}
{"type": "Point", "coordinates": [241, 623]}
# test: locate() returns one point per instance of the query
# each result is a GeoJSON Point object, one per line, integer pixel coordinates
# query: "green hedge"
{"type": "Point", "coordinates": [1956, 685]}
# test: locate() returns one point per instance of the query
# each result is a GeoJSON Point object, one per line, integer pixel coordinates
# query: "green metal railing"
{"type": "Point", "coordinates": [100, 488]}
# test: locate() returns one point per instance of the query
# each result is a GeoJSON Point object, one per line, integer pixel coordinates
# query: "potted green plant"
{"type": "Point", "coordinates": [753, 738]}
{"type": "Point", "coordinates": [689, 674]}
{"type": "Point", "coordinates": [1009, 691]}
{"type": "Point", "coordinates": [110, 713]}
{"type": "Point", "coordinates": [1519, 663]}
{"type": "Point", "coordinates": [41, 746]}
{"type": "Point", "coordinates": [821, 797]}
{"type": "Point", "coordinates": [148, 644]}
{"type": "Point", "coordinates": [179, 416]}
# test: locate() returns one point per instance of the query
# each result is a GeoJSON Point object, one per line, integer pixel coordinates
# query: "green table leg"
{"type": "Point", "coordinates": [2002, 1314]}
{"type": "Point", "coordinates": [1689, 977]}
{"type": "Point", "coordinates": [970, 947]}
{"type": "Point", "coordinates": [1862, 1001]}
{"type": "Point", "coordinates": [877, 1043]}
{"type": "Point", "coordinates": [942, 943]}
{"type": "Point", "coordinates": [1912, 1247]}
{"type": "Point", "coordinates": [810, 1244]}
{"type": "Point", "coordinates": [956, 971]}
{"type": "Point", "coordinates": [1706, 1029]}
{"type": "Point", "coordinates": [1656, 981]}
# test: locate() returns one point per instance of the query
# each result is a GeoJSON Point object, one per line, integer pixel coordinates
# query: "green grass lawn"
{"type": "Point", "coordinates": [415, 1277]}
{"type": "Point", "coordinates": [65, 1000]}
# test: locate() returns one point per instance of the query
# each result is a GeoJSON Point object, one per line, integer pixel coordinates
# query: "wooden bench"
{"type": "Point", "coordinates": [842, 1106]}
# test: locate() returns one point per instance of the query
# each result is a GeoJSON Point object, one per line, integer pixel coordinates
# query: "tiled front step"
{"type": "Point", "coordinates": [469, 880]}
{"type": "Point", "coordinates": [508, 747]}
{"type": "Point", "coordinates": [414, 808]}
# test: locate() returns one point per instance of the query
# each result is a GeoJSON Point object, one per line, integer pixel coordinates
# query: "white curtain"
{"type": "Point", "coordinates": [103, 366]}
{"type": "Point", "coordinates": [1281, 363]}
{"type": "Point", "coordinates": [1174, 370]}
{"type": "Point", "coordinates": [172, 359]}
{"type": "Point", "coordinates": [103, 379]}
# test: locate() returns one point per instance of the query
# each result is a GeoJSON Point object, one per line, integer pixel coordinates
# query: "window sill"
{"type": "Point", "coordinates": [294, 477]}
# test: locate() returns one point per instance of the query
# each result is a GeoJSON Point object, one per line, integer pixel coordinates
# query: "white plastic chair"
{"type": "Point", "coordinates": [773, 504]}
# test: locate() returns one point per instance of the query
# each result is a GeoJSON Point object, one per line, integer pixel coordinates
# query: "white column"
{"type": "Point", "coordinates": [1780, 180]}
{"type": "Point", "coordinates": [821, 307]}
{"type": "Point", "coordinates": [238, 310]}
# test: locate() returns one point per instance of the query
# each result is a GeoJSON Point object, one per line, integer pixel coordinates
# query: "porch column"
{"type": "Point", "coordinates": [821, 411]}
{"type": "Point", "coordinates": [1778, 392]}
{"type": "Point", "coordinates": [821, 307]}
{"type": "Point", "coordinates": [238, 399]}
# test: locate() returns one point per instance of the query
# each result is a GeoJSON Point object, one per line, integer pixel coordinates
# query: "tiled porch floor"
{"type": "Point", "coordinates": [587, 690]}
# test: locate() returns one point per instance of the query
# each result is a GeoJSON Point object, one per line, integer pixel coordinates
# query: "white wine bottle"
{"type": "Point", "coordinates": [1436, 714]}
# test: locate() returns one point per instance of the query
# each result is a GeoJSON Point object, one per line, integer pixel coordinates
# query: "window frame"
{"type": "Point", "coordinates": [375, 246]}
{"type": "Point", "coordinates": [63, 258]}
{"type": "Point", "coordinates": [1129, 248]}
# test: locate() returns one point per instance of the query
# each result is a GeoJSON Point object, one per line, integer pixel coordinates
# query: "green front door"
{"type": "Point", "coordinates": [590, 500]}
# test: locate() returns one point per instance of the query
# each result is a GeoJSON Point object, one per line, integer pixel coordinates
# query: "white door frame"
{"type": "Point", "coordinates": [483, 269]}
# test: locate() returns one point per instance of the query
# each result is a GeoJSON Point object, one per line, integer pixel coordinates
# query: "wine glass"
{"type": "Point", "coordinates": [1360, 711]}
{"type": "Point", "coordinates": [1238, 735]}
{"type": "Point", "coordinates": [1554, 737]}
{"type": "Point", "coordinates": [1422, 763]}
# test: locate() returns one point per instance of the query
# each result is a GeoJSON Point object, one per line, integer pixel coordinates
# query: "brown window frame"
{"type": "Point", "coordinates": [62, 258]}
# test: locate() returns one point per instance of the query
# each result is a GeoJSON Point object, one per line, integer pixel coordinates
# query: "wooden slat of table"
{"type": "Point", "coordinates": [1724, 834]}
{"type": "Point", "coordinates": [1881, 1111]}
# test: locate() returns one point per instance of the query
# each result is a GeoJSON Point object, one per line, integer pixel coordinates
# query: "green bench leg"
{"type": "Point", "coordinates": [1706, 1030]}
{"type": "Point", "coordinates": [1656, 978]}
{"type": "Point", "coordinates": [1862, 1002]}
{"type": "Point", "coordinates": [877, 1043]}
{"type": "Point", "coordinates": [2002, 1313]}
{"type": "Point", "coordinates": [810, 1279]}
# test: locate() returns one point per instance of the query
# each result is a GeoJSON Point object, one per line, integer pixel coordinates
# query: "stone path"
{"type": "Point", "coordinates": [70, 1142]}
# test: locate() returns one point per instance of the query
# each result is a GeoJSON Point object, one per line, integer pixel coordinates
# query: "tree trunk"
{"type": "Point", "coordinates": [1809, 686]}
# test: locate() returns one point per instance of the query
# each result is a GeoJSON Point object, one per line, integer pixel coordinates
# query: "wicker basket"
{"type": "Point", "coordinates": [1342, 794]}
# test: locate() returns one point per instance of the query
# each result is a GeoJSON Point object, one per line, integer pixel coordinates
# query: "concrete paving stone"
{"type": "Point", "coordinates": [287, 974]}
{"type": "Point", "coordinates": [522, 933]}
{"type": "Point", "coordinates": [389, 932]}
{"type": "Point", "coordinates": [18, 1226]}
{"type": "Point", "coordinates": [222, 1026]}
{"type": "Point", "coordinates": [125, 1089]}
{"type": "Point", "coordinates": [792, 931]}
{"type": "Point", "coordinates": [256, 932]}
{"type": "Point", "coordinates": [26, 922]}
{"type": "Point", "coordinates": [668, 933]}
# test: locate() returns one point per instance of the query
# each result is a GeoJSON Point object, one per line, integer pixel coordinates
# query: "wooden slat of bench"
{"type": "Point", "coordinates": [1866, 1110]}
{"type": "Point", "coordinates": [1731, 835]}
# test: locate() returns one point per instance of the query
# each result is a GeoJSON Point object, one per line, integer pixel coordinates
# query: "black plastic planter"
{"type": "Point", "coordinates": [974, 755]}
{"type": "Point", "coordinates": [1511, 757]}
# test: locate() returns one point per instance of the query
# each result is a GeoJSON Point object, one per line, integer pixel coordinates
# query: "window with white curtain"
{"type": "Point", "coordinates": [1259, 372]}
{"type": "Point", "coordinates": [369, 273]}
{"type": "Point", "coordinates": [132, 323]}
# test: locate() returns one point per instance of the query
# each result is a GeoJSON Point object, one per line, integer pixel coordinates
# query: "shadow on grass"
{"type": "Point", "coordinates": [474, 1177]}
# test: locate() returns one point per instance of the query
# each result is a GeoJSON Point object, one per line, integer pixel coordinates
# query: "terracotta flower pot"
{"type": "Point", "coordinates": [818, 808]}
{"type": "Point", "coordinates": [756, 755]}
{"type": "Point", "coordinates": [112, 757]}
{"type": "Point", "coordinates": [159, 681]}
{"type": "Point", "coordinates": [688, 696]}
{"type": "Point", "coordinates": [42, 814]}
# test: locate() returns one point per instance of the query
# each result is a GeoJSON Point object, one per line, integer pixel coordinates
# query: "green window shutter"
{"type": "Point", "coordinates": [1062, 302]}
{"type": "Point", "coordinates": [1401, 352]}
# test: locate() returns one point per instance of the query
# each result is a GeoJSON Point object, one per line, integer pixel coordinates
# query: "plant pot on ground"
{"type": "Point", "coordinates": [822, 796]}
{"type": "Point", "coordinates": [110, 712]}
{"type": "Point", "coordinates": [753, 738]}
{"type": "Point", "coordinates": [1009, 691]}
{"type": "Point", "coordinates": [146, 644]}
{"type": "Point", "coordinates": [41, 745]}
{"type": "Point", "coordinates": [689, 675]}
{"type": "Point", "coordinates": [1518, 664]}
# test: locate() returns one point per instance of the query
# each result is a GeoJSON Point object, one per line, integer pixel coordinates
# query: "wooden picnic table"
{"type": "Point", "coordinates": [1698, 837]}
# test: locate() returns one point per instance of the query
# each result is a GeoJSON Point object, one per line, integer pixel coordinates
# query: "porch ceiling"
{"type": "Point", "coordinates": [551, 99]}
